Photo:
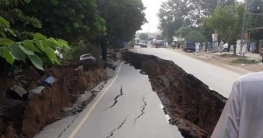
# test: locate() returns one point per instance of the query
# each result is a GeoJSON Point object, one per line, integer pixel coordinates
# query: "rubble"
{"type": "Point", "coordinates": [50, 96]}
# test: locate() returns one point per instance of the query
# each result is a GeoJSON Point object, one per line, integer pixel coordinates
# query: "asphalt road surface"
{"type": "Point", "coordinates": [217, 78]}
{"type": "Point", "coordinates": [127, 107]}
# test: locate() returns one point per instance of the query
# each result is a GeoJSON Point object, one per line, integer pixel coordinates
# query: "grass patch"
{"type": "Point", "coordinates": [244, 61]}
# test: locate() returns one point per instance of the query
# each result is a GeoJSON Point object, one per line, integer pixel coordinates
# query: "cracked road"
{"type": "Point", "coordinates": [217, 78]}
{"type": "Point", "coordinates": [125, 108]}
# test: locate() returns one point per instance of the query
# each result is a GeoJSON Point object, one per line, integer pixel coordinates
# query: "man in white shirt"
{"type": "Point", "coordinates": [197, 45]}
{"type": "Point", "coordinates": [242, 116]}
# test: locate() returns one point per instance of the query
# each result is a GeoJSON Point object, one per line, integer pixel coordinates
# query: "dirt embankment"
{"type": "Point", "coordinates": [24, 119]}
{"type": "Point", "coordinates": [192, 106]}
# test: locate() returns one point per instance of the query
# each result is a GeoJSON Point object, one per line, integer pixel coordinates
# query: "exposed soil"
{"type": "Point", "coordinates": [192, 106]}
{"type": "Point", "coordinates": [25, 118]}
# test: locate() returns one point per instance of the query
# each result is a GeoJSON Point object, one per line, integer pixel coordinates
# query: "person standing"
{"type": "Point", "coordinates": [261, 48]}
{"type": "Point", "coordinates": [197, 47]}
{"type": "Point", "coordinates": [242, 116]}
{"type": "Point", "coordinates": [221, 46]}
{"type": "Point", "coordinates": [244, 47]}
{"type": "Point", "coordinates": [209, 45]}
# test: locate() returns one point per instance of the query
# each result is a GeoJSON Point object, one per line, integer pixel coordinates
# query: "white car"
{"type": "Point", "coordinates": [87, 57]}
{"type": "Point", "coordinates": [225, 47]}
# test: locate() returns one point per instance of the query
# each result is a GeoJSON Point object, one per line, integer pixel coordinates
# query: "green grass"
{"type": "Point", "coordinates": [244, 61]}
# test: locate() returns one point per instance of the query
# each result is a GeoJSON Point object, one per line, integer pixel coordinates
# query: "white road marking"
{"type": "Point", "coordinates": [74, 132]}
{"type": "Point", "coordinates": [167, 117]}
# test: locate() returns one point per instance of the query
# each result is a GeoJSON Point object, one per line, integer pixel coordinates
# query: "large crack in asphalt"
{"type": "Point", "coordinates": [193, 107]}
{"type": "Point", "coordinates": [142, 110]}
{"type": "Point", "coordinates": [119, 127]}
{"type": "Point", "coordinates": [115, 99]}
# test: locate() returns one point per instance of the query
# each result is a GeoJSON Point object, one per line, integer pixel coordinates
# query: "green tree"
{"type": "Point", "coordinates": [183, 31]}
{"type": "Point", "coordinates": [33, 51]}
{"type": "Point", "coordinates": [70, 20]}
{"type": "Point", "coordinates": [123, 18]}
{"type": "Point", "coordinates": [228, 21]}
{"type": "Point", "coordinates": [143, 36]}
{"type": "Point", "coordinates": [195, 36]}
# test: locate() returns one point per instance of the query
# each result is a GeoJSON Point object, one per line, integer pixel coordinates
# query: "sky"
{"type": "Point", "coordinates": [152, 8]}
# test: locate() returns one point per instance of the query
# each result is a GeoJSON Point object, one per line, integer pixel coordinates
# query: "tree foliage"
{"type": "Point", "coordinates": [177, 13]}
{"type": "Point", "coordinates": [36, 50]}
{"type": "Point", "coordinates": [143, 36]}
{"type": "Point", "coordinates": [183, 31]}
{"type": "Point", "coordinates": [123, 18]}
{"type": "Point", "coordinates": [195, 36]}
{"type": "Point", "coordinates": [228, 21]}
{"type": "Point", "coordinates": [70, 20]}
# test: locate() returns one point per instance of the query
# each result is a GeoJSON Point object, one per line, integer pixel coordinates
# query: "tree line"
{"type": "Point", "coordinates": [189, 18]}
{"type": "Point", "coordinates": [32, 30]}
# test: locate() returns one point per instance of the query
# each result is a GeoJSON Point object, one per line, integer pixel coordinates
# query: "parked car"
{"type": "Point", "coordinates": [143, 45]}
{"type": "Point", "coordinates": [189, 46]}
{"type": "Point", "coordinates": [225, 47]}
{"type": "Point", "coordinates": [85, 57]}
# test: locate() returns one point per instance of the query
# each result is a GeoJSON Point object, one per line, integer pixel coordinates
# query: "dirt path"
{"type": "Point", "coordinates": [225, 61]}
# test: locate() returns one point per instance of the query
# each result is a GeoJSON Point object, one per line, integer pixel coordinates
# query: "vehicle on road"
{"type": "Point", "coordinates": [143, 45]}
{"type": "Point", "coordinates": [189, 46]}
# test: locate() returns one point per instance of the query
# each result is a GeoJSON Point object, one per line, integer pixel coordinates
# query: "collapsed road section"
{"type": "Point", "coordinates": [192, 106]}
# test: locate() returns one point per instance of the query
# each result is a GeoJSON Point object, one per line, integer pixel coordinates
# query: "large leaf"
{"type": "Point", "coordinates": [47, 43]}
{"type": "Point", "coordinates": [7, 55]}
{"type": "Point", "coordinates": [56, 42]}
{"type": "Point", "coordinates": [4, 22]}
{"type": "Point", "coordinates": [63, 43]}
{"type": "Point", "coordinates": [56, 61]}
{"type": "Point", "coordinates": [6, 41]}
{"type": "Point", "coordinates": [10, 31]}
{"type": "Point", "coordinates": [38, 36]}
{"type": "Point", "coordinates": [50, 53]}
{"type": "Point", "coordinates": [36, 61]}
{"type": "Point", "coordinates": [40, 45]}
{"type": "Point", "coordinates": [17, 52]}
{"type": "Point", "coordinates": [26, 51]}
{"type": "Point", "coordinates": [31, 46]}
{"type": "Point", "coordinates": [2, 34]}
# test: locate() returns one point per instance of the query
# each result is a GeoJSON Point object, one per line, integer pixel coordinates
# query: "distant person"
{"type": "Point", "coordinates": [209, 46]}
{"type": "Point", "coordinates": [205, 46]}
{"type": "Point", "coordinates": [242, 116]}
{"type": "Point", "coordinates": [197, 45]}
{"type": "Point", "coordinates": [261, 48]}
{"type": "Point", "coordinates": [239, 45]}
{"type": "Point", "coordinates": [252, 46]}
{"type": "Point", "coordinates": [244, 48]}
{"type": "Point", "coordinates": [221, 46]}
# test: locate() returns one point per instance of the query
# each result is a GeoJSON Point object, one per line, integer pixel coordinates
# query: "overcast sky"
{"type": "Point", "coordinates": [152, 8]}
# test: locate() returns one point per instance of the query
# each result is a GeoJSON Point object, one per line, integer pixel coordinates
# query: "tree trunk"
{"type": "Point", "coordinates": [3, 89]}
{"type": "Point", "coordinates": [4, 67]}
{"type": "Point", "coordinates": [235, 50]}
{"type": "Point", "coordinates": [104, 52]}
